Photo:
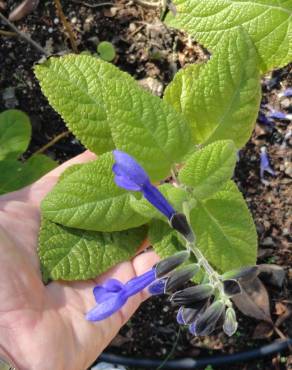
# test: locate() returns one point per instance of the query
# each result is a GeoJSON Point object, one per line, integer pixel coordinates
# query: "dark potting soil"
{"type": "Point", "coordinates": [152, 54]}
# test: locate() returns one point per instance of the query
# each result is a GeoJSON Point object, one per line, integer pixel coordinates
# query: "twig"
{"type": "Point", "coordinates": [91, 5]}
{"type": "Point", "coordinates": [52, 142]}
{"type": "Point", "coordinates": [161, 366]}
{"type": "Point", "coordinates": [282, 336]}
{"type": "Point", "coordinates": [149, 4]}
{"type": "Point", "coordinates": [66, 25]}
{"type": "Point", "coordinates": [8, 33]}
{"type": "Point", "coordinates": [23, 35]}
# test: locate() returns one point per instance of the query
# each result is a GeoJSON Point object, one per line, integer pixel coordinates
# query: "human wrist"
{"type": "Point", "coordinates": [6, 362]}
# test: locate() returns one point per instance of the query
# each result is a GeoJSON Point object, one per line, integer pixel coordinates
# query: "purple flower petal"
{"type": "Point", "coordinates": [179, 317]}
{"type": "Point", "coordinates": [108, 307]}
{"type": "Point", "coordinates": [262, 118]}
{"type": "Point", "coordinates": [138, 283]}
{"type": "Point", "coordinates": [265, 163]}
{"type": "Point", "coordinates": [104, 292]}
{"type": "Point", "coordinates": [158, 287]}
{"type": "Point", "coordinates": [153, 195]}
{"type": "Point", "coordinates": [100, 293]}
{"type": "Point", "coordinates": [130, 175]}
{"type": "Point", "coordinates": [192, 328]}
{"type": "Point", "coordinates": [112, 295]}
{"type": "Point", "coordinates": [113, 285]}
{"type": "Point", "coordinates": [125, 183]}
{"type": "Point", "coordinates": [127, 167]}
{"type": "Point", "coordinates": [278, 115]}
{"type": "Point", "coordinates": [286, 93]}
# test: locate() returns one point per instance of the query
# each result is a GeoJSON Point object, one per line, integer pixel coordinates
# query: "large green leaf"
{"type": "Point", "coordinates": [86, 197]}
{"type": "Point", "coordinates": [164, 239]}
{"type": "Point", "coordinates": [220, 99]}
{"type": "Point", "coordinates": [268, 23]}
{"type": "Point", "coordinates": [105, 108]}
{"type": "Point", "coordinates": [225, 230]}
{"type": "Point", "coordinates": [166, 242]}
{"type": "Point", "coordinates": [71, 254]}
{"type": "Point", "coordinates": [15, 131]}
{"type": "Point", "coordinates": [175, 196]}
{"type": "Point", "coordinates": [208, 169]}
{"type": "Point", "coordinates": [16, 174]}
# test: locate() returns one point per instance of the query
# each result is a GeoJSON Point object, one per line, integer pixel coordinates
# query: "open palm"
{"type": "Point", "coordinates": [43, 327]}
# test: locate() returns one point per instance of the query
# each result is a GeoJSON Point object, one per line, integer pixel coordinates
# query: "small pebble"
{"type": "Point", "coordinates": [56, 20]}
{"type": "Point", "coordinates": [50, 30]}
{"type": "Point", "coordinates": [74, 20]}
{"type": "Point", "coordinates": [9, 98]}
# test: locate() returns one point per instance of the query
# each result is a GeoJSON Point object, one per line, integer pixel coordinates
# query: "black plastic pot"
{"type": "Point", "coordinates": [191, 363]}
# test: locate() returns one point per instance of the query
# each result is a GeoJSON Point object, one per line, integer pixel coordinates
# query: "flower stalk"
{"type": "Point", "coordinates": [202, 306]}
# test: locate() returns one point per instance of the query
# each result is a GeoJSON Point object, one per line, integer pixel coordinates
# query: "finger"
{"type": "Point", "coordinates": [81, 158]}
{"type": "Point", "coordinates": [34, 193]}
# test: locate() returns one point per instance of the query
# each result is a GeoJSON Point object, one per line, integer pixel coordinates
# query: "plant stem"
{"type": "Point", "coordinates": [66, 25]}
{"type": "Point", "coordinates": [52, 142]}
{"type": "Point", "coordinates": [23, 35]}
{"type": "Point", "coordinates": [8, 33]}
{"type": "Point", "coordinates": [213, 275]}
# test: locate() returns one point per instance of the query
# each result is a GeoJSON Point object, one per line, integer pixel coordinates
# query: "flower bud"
{"type": "Point", "coordinates": [168, 264]}
{"type": "Point", "coordinates": [157, 287]}
{"type": "Point", "coordinates": [231, 287]}
{"type": "Point", "coordinates": [192, 294]}
{"type": "Point", "coordinates": [206, 323]}
{"type": "Point", "coordinates": [178, 278]}
{"type": "Point", "coordinates": [230, 324]}
{"type": "Point", "coordinates": [243, 274]}
{"type": "Point", "coordinates": [178, 221]}
{"type": "Point", "coordinates": [190, 315]}
{"type": "Point", "coordinates": [179, 317]}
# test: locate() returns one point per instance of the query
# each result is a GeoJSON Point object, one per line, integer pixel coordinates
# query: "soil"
{"type": "Point", "coordinates": [152, 54]}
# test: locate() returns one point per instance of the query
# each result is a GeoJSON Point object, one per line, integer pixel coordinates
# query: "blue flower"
{"type": "Point", "coordinates": [262, 118]}
{"type": "Point", "coordinates": [112, 295]}
{"type": "Point", "coordinates": [280, 115]}
{"type": "Point", "coordinates": [131, 176]}
{"type": "Point", "coordinates": [265, 163]}
{"type": "Point", "coordinates": [286, 93]}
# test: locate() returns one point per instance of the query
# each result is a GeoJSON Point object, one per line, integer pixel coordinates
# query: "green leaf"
{"type": "Point", "coordinates": [220, 99]}
{"type": "Point", "coordinates": [73, 86]}
{"type": "Point", "coordinates": [208, 169]}
{"type": "Point", "coordinates": [164, 239]}
{"type": "Point", "coordinates": [176, 197]}
{"type": "Point", "coordinates": [71, 254]}
{"type": "Point", "coordinates": [87, 198]}
{"type": "Point", "coordinates": [15, 174]}
{"type": "Point", "coordinates": [268, 23]}
{"type": "Point", "coordinates": [15, 131]}
{"type": "Point", "coordinates": [106, 51]}
{"type": "Point", "coordinates": [166, 242]}
{"type": "Point", "coordinates": [105, 108]}
{"type": "Point", "coordinates": [224, 229]}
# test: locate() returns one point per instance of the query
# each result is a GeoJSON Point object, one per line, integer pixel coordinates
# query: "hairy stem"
{"type": "Point", "coordinates": [213, 275]}
{"type": "Point", "coordinates": [23, 35]}
{"type": "Point", "coordinates": [66, 25]}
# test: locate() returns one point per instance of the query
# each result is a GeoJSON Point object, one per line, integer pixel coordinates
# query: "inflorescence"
{"type": "Point", "coordinates": [202, 307]}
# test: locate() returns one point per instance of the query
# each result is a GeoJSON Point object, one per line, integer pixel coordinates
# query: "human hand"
{"type": "Point", "coordinates": [44, 327]}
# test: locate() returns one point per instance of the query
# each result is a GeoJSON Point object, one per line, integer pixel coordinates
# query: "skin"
{"type": "Point", "coordinates": [43, 327]}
